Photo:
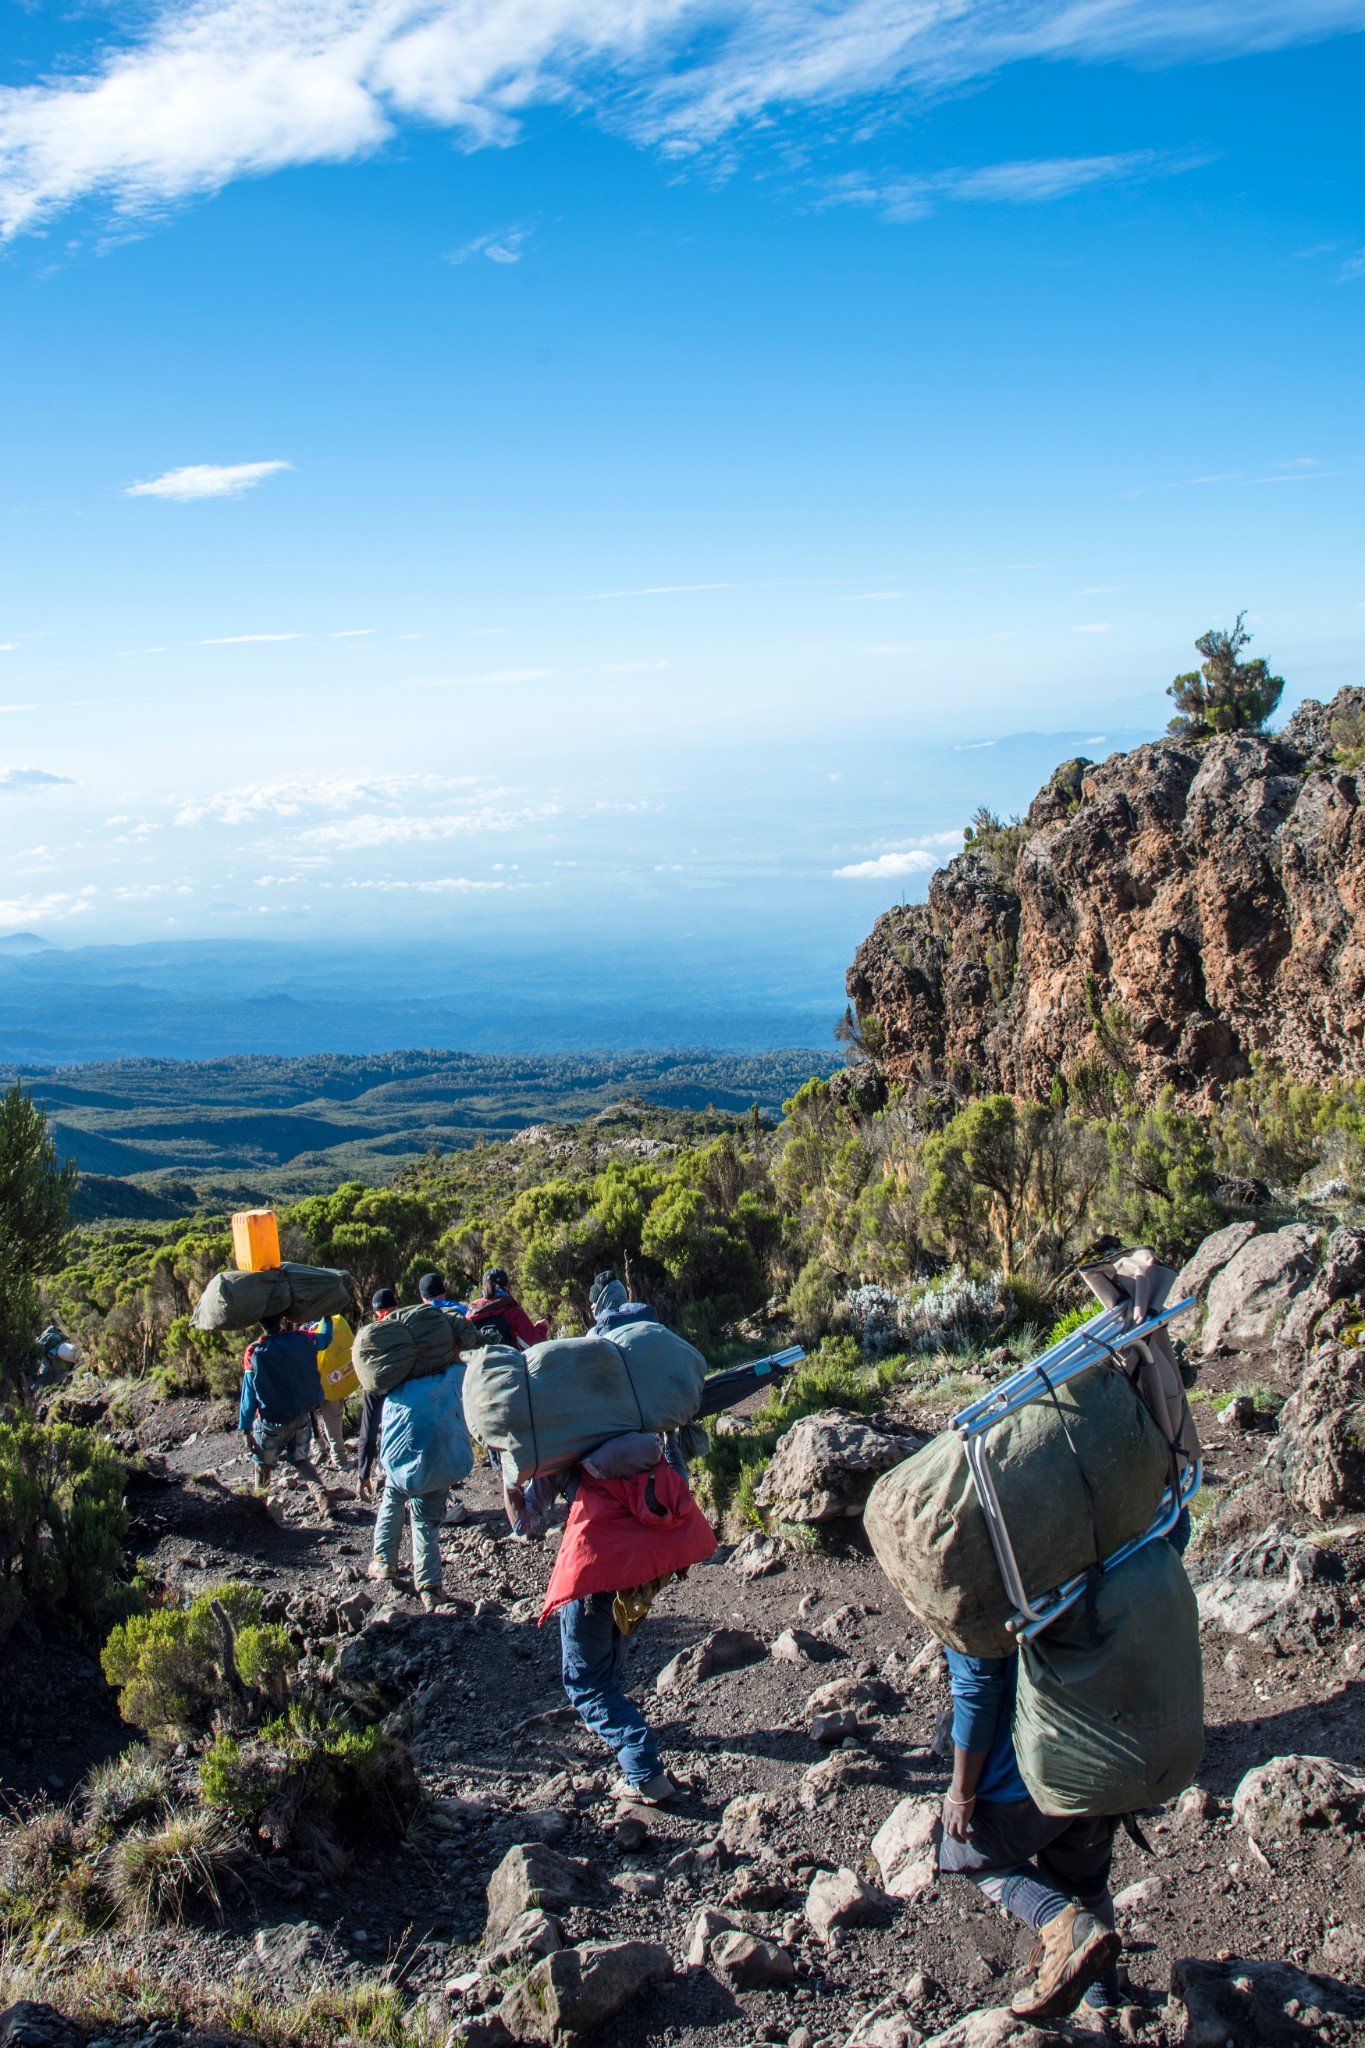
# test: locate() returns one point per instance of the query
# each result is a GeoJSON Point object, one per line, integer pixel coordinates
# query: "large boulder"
{"type": "Point", "coordinates": [825, 1467]}
{"type": "Point", "coordinates": [905, 1847]}
{"type": "Point", "coordinates": [575, 1990]}
{"type": "Point", "coordinates": [1263, 2002]}
{"type": "Point", "coordinates": [1339, 1278]}
{"type": "Point", "coordinates": [531, 1875]}
{"type": "Point", "coordinates": [1201, 1266]}
{"type": "Point", "coordinates": [1290, 1794]}
{"type": "Point", "coordinates": [840, 1898]}
{"type": "Point", "coordinates": [1250, 1297]}
{"type": "Point", "coordinates": [1319, 1453]}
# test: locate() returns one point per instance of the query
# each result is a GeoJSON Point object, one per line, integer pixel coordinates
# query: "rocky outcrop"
{"type": "Point", "coordinates": [825, 1466]}
{"type": "Point", "coordinates": [1216, 893]}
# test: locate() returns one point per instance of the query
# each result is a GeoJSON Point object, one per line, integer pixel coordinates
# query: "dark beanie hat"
{"type": "Point", "coordinates": [431, 1286]}
{"type": "Point", "coordinates": [383, 1297]}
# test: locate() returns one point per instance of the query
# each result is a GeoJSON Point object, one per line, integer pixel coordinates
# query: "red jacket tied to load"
{"type": "Point", "coordinates": [625, 1532]}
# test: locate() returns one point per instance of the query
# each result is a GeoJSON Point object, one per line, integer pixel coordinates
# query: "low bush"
{"type": "Point", "coordinates": [126, 1789]}
{"type": "Point", "coordinates": [178, 1667]}
{"type": "Point", "coordinates": [308, 1788]}
{"type": "Point", "coordinates": [62, 1525]}
{"type": "Point", "coordinates": [156, 1876]}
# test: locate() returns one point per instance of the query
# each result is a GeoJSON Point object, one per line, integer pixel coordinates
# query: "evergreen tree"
{"type": "Point", "coordinates": [1226, 694]}
{"type": "Point", "coordinates": [35, 1205]}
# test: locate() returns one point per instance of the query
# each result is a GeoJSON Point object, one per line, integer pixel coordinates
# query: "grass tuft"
{"type": "Point", "coordinates": [157, 1876]}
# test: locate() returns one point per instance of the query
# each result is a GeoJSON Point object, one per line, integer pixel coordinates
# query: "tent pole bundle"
{"type": "Point", "coordinates": [1097, 1342]}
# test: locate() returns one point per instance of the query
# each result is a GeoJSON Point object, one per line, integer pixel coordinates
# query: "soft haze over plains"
{"type": "Point", "coordinates": [512, 474]}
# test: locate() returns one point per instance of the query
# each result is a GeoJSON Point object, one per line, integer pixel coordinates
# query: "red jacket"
{"type": "Point", "coordinates": [625, 1532]}
{"type": "Point", "coordinates": [503, 1309]}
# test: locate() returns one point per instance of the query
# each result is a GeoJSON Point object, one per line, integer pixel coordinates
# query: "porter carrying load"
{"type": "Point", "coordinates": [407, 1344]}
{"type": "Point", "coordinates": [1071, 1463]}
{"type": "Point", "coordinates": [234, 1301]}
{"type": "Point", "coordinates": [542, 1410]}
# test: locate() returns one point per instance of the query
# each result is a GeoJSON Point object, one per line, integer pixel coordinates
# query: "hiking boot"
{"type": "Point", "coordinates": [1073, 1951]}
{"type": "Point", "coordinates": [432, 1597]}
{"type": "Point", "coordinates": [323, 1502]}
{"type": "Point", "coordinates": [377, 1569]}
{"type": "Point", "coordinates": [654, 1791]}
{"type": "Point", "coordinates": [457, 1514]}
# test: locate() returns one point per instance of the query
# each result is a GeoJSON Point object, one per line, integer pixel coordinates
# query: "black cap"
{"type": "Point", "coordinates": [382, 1298]}
{"type": "Point", "coordinates": [599, 1281]}
{"type": "Point", "coordinates": [431, 1286]}
{"type": "Point", "coordinates": [496, 1277]}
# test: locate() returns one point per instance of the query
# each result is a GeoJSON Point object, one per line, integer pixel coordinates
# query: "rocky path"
{"type": "Point", "coordinates": [798, 1709]}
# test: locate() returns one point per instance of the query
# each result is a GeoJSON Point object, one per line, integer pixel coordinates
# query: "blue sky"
{"type": "Point", "coordinates": [518, 467]}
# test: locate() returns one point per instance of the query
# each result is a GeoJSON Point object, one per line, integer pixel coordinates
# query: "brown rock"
{"type": "Point", "coordinates": [1251, 2001]}
{"type": "Point", "coordinates": [577, 1989]}
{"type": "Point", "coordinates": [531, 1875]}
{"type": "Point", "coordinates": [825, 1466]}
{"type": "Point", "coordinates": [1215, 892]}
{"type": "Point", "coordinates": [748, 1963]}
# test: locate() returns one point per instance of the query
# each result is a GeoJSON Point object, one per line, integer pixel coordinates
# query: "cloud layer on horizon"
{"type": "Point", "coordinates": [222, 89]}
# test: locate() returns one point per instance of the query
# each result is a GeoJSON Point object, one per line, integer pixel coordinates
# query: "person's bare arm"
{"type": "Point", "coordinates": [959, 1802]}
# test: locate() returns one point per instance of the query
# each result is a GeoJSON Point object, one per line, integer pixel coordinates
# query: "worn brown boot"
{"type": "Point", "coordinates": [1073, 1950]}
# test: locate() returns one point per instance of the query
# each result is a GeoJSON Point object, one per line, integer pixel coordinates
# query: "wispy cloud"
{"type": "Point", "coordinates": [199, 92]}
{"type": "Point", "coordinates": [503, 245]}
{"type": "Point", "coordinates": [198, 479]}
{"type": "Point", "coordinates": [440, 885]}
{"type": "Point", "coordinates": [655, 590]}
{"type": "Point", "coordinates": [1352, 269]}
{"type": "Point", "coordinates": [874, 597]}
{"type": "Point", "coordinates": [368, 830]}
{"type": "Point", "coordinates": [31, 778]}
{"type": "Point", "coordinates": [248, 802]}
{"type": "Point", "coordinates": [45, 909]}
{"type": "Point", "coordinates": [1100, 626]}
{"type": "Point", "coordinates": [493, 675]}
{"type": "Point", "coordinates": [246, 639]}
{"type": "Point", "coordinates": [1028, 181]}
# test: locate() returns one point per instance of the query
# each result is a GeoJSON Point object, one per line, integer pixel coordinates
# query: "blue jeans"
{"type": "Point", "coordinates": [426, 1511]}
{"type": "Point", "coordinates": [593, 1661]}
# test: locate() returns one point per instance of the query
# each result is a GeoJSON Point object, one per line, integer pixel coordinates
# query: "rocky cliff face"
{"type": "Point", "coordinates": [1215, 892]}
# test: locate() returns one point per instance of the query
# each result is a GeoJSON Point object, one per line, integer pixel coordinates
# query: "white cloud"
{"type": "Point", "coordinates": [18, 707]}
{"type": "Point", "coordinates": [31, 778]}
{"type": "Point", "coordinates": [371, 829]}
{"type": "Point", "coordinates": [656, 590]}
{"type": "Point", "coordinates": [496, 675]}
{"type": "Point", "coordinates": [442, 885]}
{"type": "Point", "coordinates": [198, 479]}
{"type": "Point", "coordinates": [1028, 181]}
{"type": "Point", "coordinates": [41, 909]}
{"type": "Point", "coordinates": [888, 865]}
{"type": "Point", "coordinates": [247, 639]}
{"type": "Point", "coordinates": [353, 633]}
{"type": "Point", "coordinates": [250, 802]}
{"type": "Point", "coordinates": [503, 245]}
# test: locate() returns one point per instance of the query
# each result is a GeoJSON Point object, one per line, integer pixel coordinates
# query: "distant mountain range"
{"type": "Point", "coordinates": [157, 1137]}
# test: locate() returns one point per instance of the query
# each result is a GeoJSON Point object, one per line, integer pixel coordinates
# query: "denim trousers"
{"type": "Point", "coordinates": [592, 1663]}
{"type": "Point", "coordinates": [426, 1511]}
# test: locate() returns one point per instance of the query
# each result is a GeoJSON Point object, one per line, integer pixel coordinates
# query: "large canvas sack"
{"type": "Point", "coordinates": [1110, 1719]}
{"type": "Point", "coordinates": [544, 1409]}
{"type": "Point", "coordinates": [412, 1343]}
{"type": "Point", "coordinates": [234, 1301]}
{"type": "Point", "coordinates": [425, 1444]}
{"type": "Point", "coordinates": [926, 1526]}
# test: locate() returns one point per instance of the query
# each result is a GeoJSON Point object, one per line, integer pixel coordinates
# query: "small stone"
{"type": "Point", "coordinates": [798, 1646]}
{"type": "Point", "coordinates": [579, 1989]}
{"type": "Point", "coordinates": [706, 1925]}
{"type": "Point", "coordinates": [836, 1727]}
{"type": "Point", "coordinates": [638, 1884]}
{"type": "Point", "coordinates": [748, 1963]}
{"type": "Point", "coordinates": [630, 1833]}
{"type": "Point", "coordinates": [1134, 1897]}
{"type": "Point", "coordinates": [1240, 1414]}
{"type": "Point", "coordinates": [800, 2037]}
{"type": "Point", "coordinates": [839, 1898]}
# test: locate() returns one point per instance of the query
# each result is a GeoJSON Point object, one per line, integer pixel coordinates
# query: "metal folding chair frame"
{"type": "Point", "coordinates": [1095, 1343]}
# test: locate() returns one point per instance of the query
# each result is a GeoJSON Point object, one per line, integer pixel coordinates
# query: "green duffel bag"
{"type": "Point", "coordinates": [234, 1301]}
{"type": "Point", "coordinates": [929, 1533]}
{"type": "Point", "coordinates": [1109, 1716]}
{"type": "Point", "coordinates": [542, 1410]}
{"type": "Point", "coordinates": [411, 1344]}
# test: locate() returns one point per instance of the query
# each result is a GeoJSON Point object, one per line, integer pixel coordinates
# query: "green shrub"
{"type": "Point", "coordinates": [301, 1782]}
{"type": "Point", "coordinates": [176, 1667]}
{"type": "Point", "coordinates": [1072, 1320]}
{"type": "Point", "coordinates": [62, 1524]}
{"type": "Point", "coordinates": [811, 1302]}
{"type": "Point", "coordinates": [198, 1361]}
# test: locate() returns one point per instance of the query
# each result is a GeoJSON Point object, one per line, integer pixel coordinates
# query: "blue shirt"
{"type": "Point", "coordinates": [983, 1718]}
{"type": "Point", "coordinates": [282, 1379]}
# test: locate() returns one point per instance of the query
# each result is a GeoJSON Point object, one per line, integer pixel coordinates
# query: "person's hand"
{"type": "Point", "coordinates": [957, 1815]}
{"type": "Point", "coordinates": [364, 1489]}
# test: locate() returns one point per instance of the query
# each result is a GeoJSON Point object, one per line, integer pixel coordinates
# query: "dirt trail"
{"type": "Point", "coordinates": [480, 1686]}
